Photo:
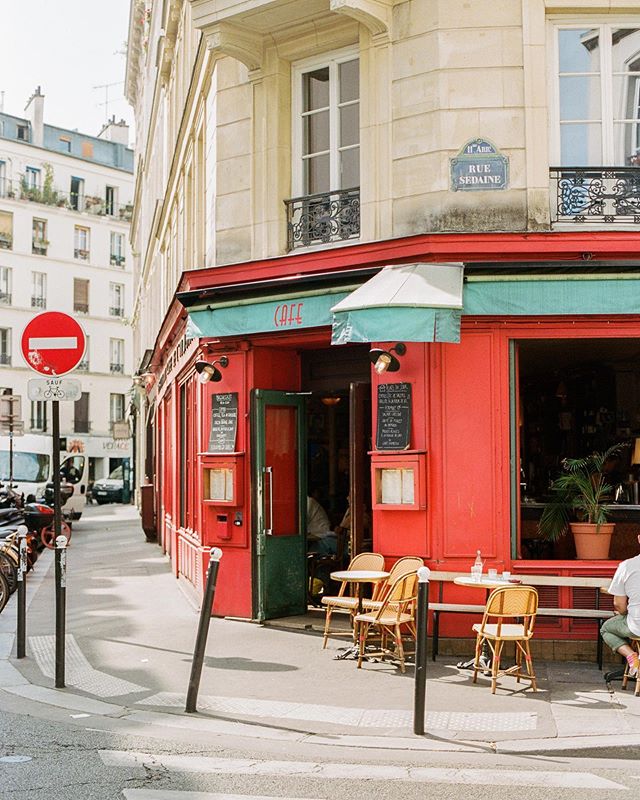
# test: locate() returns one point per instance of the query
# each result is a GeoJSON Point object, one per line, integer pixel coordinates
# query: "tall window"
{"type": "Point", "coordinates": [5, 285]}
{"type": "Point", "coordinates": [39, 415]}
{"type": "Point", "coordinates": [38, 290]}
{"type": "Point", "coordinates": [598, 111]}
{"type": "Point", "coordinates": [39, 241]}
{"type": "Point", "coordinates": [6, 230]}
{"type": "Point", "coordinates": [81, 422]}
{"type": "Point", "coordinates": [116, 349]}
{"type": "Point", "coordinates": [5, 347]}
{"type": "Point", "coordinates": [111, 200]}
{"type": "Point", "coordinates": [76, 193]}
{"type": "Point", "coordinates": [116, 407]}
{"type": "Point", "coordinates": [117, 249]}
{"type": "Point", "coordinates": [81, 242]}
{"type": "Point", "coordinates": [116, 299]}
{"type": "Point", "coordinates": [328, 126]}
{"type": "Point", "coordinates": [83, 366]}
{"type": "Point", "coordinates": [81, 295]}
{"type": "Point", "coordinates": [3, 177]}
{"type": "Point", "coordinates": [32, 178]}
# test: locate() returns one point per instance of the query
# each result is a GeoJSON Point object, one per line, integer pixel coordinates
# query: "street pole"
{"type": "Point", "coordinates": [203, 629]}
{"type": "Point", "coordinates": [61, 600]}
{"type": "Point", "coordinates": [422, 615]}
{"type": "Point", "coordinates": [57, 508]}
{"type": "Point", "coordinates": [21, 627]}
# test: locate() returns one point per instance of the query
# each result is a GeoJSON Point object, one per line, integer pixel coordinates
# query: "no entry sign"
{"type": "Point", "coordinates": [53, 343]}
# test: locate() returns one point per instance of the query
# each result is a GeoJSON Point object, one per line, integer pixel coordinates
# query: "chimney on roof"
{"type": "Point", "coordinates": [35, 114]}
{"type": "Point", "coordinates": [114, 131]}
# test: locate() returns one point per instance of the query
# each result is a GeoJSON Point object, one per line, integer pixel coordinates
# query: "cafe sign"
{"type": "Point", "coordinates": [479, 167]}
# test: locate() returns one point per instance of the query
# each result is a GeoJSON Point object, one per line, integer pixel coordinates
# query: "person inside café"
{"type": "Point", "coordinates": [320, 538]}
{"type": "Point", "coordinates": [625, 625]}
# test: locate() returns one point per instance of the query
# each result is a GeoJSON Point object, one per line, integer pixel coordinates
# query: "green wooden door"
{"type": "Point", "coordinates": [279, 503]}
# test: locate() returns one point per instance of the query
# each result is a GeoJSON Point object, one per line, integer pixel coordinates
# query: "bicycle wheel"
{"type": "Point", "coordinates": [48, 537]}
{"type": "Point", "coordinates": [4, 592]}
{"type": "Point", "coordinates": [9, 570]}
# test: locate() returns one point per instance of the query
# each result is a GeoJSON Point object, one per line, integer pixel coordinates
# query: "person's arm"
{"type": "Point", "coordinates": [620, 603]}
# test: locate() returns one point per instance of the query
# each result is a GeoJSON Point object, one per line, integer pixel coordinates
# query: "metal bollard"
{"type": "Point", "coordinates": [422, 618]}
{"type": "Point", "coordinates": [21, 627]}
{"type": "Point", "coordinates": [215, 555]}
{"type": "Point", "coordinates": [61, 599]}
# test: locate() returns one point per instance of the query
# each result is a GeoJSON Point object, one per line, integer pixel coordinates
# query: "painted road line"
{"type": "Point", "coordinates": [370, 772]}
{"type": "Point", "coordinates": [173, 794]}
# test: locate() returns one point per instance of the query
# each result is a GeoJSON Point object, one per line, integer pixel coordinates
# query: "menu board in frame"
{"type": "Point", "coordinates": [224, 422]}
{"type": "Point", "coordinates": [393, 430]}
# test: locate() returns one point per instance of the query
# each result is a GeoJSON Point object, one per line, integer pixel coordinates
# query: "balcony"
{"type": "Point", "coordinates": [116, 311]}
{"type": "Point", "coordinates": [83, 366]}
{"type": "Point", "coordinates": [116, 261]}
{"type": "Point", "coordinates": [5, 359]}
{"type": "Point", "coordinates": [323, 218]}
{"type": "Point", "coordinates": [116, 368]}
{"type": "Point", "coordinates": [80, 254]}
{"type": "Point", "coordinates": [38, 302]}
{"type": "Point", "coordinates": [81, 308]}
{"type": "Point", "coordinates": [6, 241]}
{"type": "Point", "coordinates": [5, 298]}
{"type": "Point", "coordinates": [595, 195]}
{"type": "Point", "coordinates": [39, 247]}
{"type": "Point", "coordinates": [72, 201]}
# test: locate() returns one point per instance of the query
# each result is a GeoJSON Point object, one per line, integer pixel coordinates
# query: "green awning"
{"type": "Point", "coordinates": [408, 302]}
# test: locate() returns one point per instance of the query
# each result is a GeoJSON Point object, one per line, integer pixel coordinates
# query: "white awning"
{"type": "Point", "coordinates": [413, 302]}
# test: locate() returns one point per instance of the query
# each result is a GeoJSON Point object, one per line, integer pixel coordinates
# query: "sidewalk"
{"type": "Point", "coordinates": [130, 636]}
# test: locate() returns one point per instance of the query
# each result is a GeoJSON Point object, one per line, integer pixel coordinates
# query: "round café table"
{"type": "Point", "coordinates": [487, 584]}
{"type": "Point", "coordinates": [359, 577]}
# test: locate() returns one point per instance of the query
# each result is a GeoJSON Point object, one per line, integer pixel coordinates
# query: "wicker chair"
{"type": "Point", "coordinates": [403, 566]}
{"type": "Point", "coordinates": [369, 561]}
{"type": "Point", "coordinates": [509, 616]}
{"type": "Point", "coordinates": [397, 609]}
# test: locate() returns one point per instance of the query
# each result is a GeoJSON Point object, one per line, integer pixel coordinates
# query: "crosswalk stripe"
{"type": "Point", "coordinates": [339, 771]}
{"type": "Point", "coordinates": [173, 794]}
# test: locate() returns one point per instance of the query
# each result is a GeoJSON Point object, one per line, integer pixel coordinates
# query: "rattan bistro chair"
{"type": "Point", "coordinates": [403, 566]}
{"type": "Point", "coordinates": [347, 602]}
{"type": "Point", "coordinates": [397, 609]}
{"type": "Point", "coordinates": [509, 616]}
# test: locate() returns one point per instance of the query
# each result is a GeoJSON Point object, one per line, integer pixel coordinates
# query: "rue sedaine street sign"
{"type": "Point", "coordinates": [53, 343]}
{"type": "Point", "coordinates": [54, 389]}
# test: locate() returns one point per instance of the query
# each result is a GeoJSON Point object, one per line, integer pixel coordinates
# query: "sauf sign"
{"type": "Point", "coordinates": [479, 166]}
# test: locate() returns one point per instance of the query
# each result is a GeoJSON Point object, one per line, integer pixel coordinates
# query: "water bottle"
{"type": "Point", "coordinates": [478, 561]}
{"type": "Point", "coordinates": [476, 569]}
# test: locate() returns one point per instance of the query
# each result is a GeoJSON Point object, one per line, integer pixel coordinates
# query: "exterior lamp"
{"type": "Point", "coordinates": [207, 371]}
{"type": "Point", "coordinates": [383, 361]}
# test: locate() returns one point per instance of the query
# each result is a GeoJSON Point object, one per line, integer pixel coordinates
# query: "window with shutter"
{"type": "Point", "coordinates": [81, 295]}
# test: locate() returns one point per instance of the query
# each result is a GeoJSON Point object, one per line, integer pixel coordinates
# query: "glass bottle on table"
{"type": "Point", "coordinates": [476, 569]}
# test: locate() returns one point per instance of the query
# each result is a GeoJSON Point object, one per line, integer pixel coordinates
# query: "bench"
{"type": "Point", "coordinates": [596, 614]}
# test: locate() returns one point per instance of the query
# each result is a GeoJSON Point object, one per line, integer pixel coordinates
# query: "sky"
{"type": "Point", "coordinates": [67, 47]}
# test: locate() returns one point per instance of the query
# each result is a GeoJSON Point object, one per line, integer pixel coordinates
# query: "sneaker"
{"type": "Point", "coordinates": [633, 662]}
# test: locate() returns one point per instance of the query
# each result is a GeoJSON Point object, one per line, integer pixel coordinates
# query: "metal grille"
{"type": "Point", "coordinates": [323, 218]}
{"type": "Point", "coordinates": [595, 194]}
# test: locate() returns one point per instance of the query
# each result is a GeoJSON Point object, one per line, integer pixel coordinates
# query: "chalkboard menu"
{"type": "Point", "coordinates": [394, 416]}
{"type": "Point", "coordinates": [224, 422]}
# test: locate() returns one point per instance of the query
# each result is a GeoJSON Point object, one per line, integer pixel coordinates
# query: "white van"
{"type": "Point", "coordinates": [32, 470]}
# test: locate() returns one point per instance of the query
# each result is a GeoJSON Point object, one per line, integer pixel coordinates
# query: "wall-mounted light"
{"type": "Point", "coordinates": [383, 361]}
{"type": "Point", "coordinates": [330, 400]}
{"type": "Point", "coordinates": [207, 371]}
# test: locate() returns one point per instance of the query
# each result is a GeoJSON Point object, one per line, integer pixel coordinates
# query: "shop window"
{"type": "Point", "coordinates": [575, 397]}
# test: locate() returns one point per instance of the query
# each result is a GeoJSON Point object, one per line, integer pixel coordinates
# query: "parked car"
{"type": "Point", "coordinates": [109, 490]}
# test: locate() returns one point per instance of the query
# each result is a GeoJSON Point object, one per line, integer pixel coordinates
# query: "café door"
{"type": "Point", "coordinates": [279, 503]}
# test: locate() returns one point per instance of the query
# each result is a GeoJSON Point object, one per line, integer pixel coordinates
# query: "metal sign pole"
{"type": "Point", "coordinates": [203, 629]}
{"type": "Point", "coordinates": [21, 629]}
{"type": "Point", "coordinates": [61, 600]}
{"type": "Point", "coordinates": [57, 509]}
{"type": "Point", "coordinates": [422, 615]}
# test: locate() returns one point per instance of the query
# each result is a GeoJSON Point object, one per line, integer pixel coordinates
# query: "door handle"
{"type": "Point", "coordinates": [269, 471]}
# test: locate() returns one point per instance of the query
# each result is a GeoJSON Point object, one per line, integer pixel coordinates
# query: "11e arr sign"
{"type": "Point", "coordinates": [479, 167]}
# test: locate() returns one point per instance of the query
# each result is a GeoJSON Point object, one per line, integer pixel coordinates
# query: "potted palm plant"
{"type": "Point", "coordinates": [581, 498]}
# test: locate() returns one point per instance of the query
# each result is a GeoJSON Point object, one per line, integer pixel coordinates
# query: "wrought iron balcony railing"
{"type": "Point", "coordinates": [116, 367]}
{"type": "Point", "coordinates": [81, 308]}
{"type": "Point", "coordinates": [73, 201]}
{"type": "Point", "coordinates": [116, 311]}
{"type": "Point", "coordinates": [79, 253]}
{"type": "Point", "coordinates": [323, 218]}
{"type": "Point", "coordinates": [5, 359]}
{"type": "Point", "coordinates": [116, 260]}
{"type": "Point", "coordinates": [5, 298]}
{"type": "Point", "coordinates": [83, 366]}
{"type": "Point", "coordinates": [38, 302]}
{"type": "Point", "coordinates": [609, 195]}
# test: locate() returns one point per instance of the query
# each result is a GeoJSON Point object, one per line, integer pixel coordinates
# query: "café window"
{"type": "Point", "coordinates": [575, 397]}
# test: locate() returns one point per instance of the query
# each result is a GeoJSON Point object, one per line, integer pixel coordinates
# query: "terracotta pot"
{"type": "Point", "coordinates": [592, 541]}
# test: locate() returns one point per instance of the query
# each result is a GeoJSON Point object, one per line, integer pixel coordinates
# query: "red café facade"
{"type": "Point", "coordinates": [537, 358]}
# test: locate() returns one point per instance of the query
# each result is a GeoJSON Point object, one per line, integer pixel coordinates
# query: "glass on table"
{"type": "Point", "coordinates": [492, 574]}
{"type": "Point", "coordinates": [476, 572]}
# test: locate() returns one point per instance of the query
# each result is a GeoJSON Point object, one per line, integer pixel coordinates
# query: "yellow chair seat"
{"type": "Point", "coordinates": [510, 632]}
{"type": "Point", "coordinates": [385, 619]}
{"type": "Point", "coordinates": [341, 602]}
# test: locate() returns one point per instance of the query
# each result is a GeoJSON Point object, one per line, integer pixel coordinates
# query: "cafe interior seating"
{"type": "Point", "coordinates": [509, 616]}
{"type": "Point", "coordinates": [345, 601]}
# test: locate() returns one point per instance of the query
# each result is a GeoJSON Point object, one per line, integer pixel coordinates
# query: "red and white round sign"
{"type": "Point", "coordinates": [53, 343]}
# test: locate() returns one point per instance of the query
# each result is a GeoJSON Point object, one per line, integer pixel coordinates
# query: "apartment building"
{"type": "Point", "coordinates": [65, 210]}
{"type": "Point", "coordinates": [388, 252]}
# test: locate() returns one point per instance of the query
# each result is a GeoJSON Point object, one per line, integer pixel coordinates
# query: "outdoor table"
{"type": "Point", "coordinates": [359, 577]}
{"type": "Point", "coordinates": [488, 584]}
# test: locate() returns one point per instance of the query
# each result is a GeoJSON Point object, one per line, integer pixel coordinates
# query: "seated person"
{"type": "Point", "coordinates": [320, 538]}
{"type": "Point", "coordinates": [617, 631]}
